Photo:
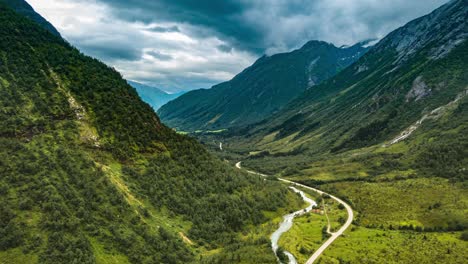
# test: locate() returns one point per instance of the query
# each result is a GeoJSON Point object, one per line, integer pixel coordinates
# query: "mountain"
{"type": "Point", "coordinates": [389, 135]}
{"type": "Point", "coordinates": [154, 96]}
{"type": "Point", "coordinates": [90, 175]}
{"type": "Point", "coordinates": [417, 68]}
{"type": "Point", "coordinates": [260, 90]}
{"type": "Point", "coordinates": [23, 8]}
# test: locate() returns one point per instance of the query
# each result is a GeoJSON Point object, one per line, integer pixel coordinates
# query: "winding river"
{"type": "Point", "coordinates": [288, 219]}
{"type": "Point", "coordinates": [287, 224]}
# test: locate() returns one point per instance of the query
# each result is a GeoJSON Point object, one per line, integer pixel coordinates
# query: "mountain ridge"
{"type": "Point", "coordinates": [25, 9]}
{"type": "Point", "coordinates": [259, 90]}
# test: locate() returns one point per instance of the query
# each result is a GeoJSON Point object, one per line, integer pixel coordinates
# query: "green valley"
{"type": "Point", "coordinates": [318, 154]}
{"type": "Point", "coordinates": [388, 135]}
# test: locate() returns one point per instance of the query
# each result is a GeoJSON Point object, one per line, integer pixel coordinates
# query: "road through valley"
{"type": "Point", "coordinates": [333, 236]}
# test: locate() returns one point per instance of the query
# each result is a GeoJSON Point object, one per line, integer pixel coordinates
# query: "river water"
{"type": "Point", "coordinates": [287, 224]}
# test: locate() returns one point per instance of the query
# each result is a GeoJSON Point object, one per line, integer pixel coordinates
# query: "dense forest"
{"type": "Point", "coordinates": [89, 174]}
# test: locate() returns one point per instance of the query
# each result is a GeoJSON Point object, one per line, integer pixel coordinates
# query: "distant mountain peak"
{"type": "Point", "coordinates": [261, 89]}
{"type": "Point", "coordinates": [154, 96]}
{"type": "Point", "coordinates": [317, 43]}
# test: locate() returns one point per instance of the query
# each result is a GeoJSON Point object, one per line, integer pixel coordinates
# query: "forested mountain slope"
{"type": "Point", "coordinates": [260, 90]}
{"type": "Point", "coordinates": [90, 175]}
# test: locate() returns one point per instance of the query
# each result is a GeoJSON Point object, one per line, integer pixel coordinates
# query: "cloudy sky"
{"type": "Point", "coordinates": [187, 44]}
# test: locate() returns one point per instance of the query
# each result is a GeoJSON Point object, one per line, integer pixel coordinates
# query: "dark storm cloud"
{"type": "Point", "coordinates": [261, 25]}
{"type": "Point", "coordinates": [159, 29]}
{"type": "Point", "coordinates": [225, 48]}
{"type": "Point", "coordinates": [223, 18]}
{"type": "Point", "coordinates": [110, 50]}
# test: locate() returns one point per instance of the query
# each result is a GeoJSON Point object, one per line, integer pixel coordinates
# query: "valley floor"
{"type": "Point", "coordinates": [401, 220]}
{"type": "Point", "coordinates": [331, 230]}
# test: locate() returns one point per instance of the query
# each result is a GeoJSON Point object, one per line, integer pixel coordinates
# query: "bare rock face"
{"type": "Point", "coordinates": [448, 26]}
{"type": "Point", "coordinates": [419, 90]}
{"type": "Point", "coordinates": [312, 80]}
{"type": "Point", "coordinates": [361, 68]}
{"type": "Point", "coordinates": [443, 50]}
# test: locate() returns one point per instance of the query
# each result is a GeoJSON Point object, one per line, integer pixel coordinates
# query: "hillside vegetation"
{"type": "Point", "coordinates": [90, 175]}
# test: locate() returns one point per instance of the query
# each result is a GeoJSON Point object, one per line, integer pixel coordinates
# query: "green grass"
{"type": "Point", "coordinates": [17, 256]}
{"type": "Point", "coordinates": [336, 215]}
{"type": "Point", "coordinates": [106, 256]}
{"type": "Point", "coordinates": [364, 245]}
{"type": "Point", "coordinates": [335, 169]}
{"type": "Point", "coordinates": [425, 202]}
{"type": "Point", "coordinates": [305, 236]}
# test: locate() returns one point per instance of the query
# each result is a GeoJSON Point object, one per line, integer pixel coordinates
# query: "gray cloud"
{"type": "Point", "coordinates": [160, 56]}
{"type": "Point", "coordinates": [222, 18]}
{"type": "Point", "coordinates": [225, 48]}
{"type": "Point", "coordinates": [110, 50]}
{"type": "Point", "coordinates": [262, 25]}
